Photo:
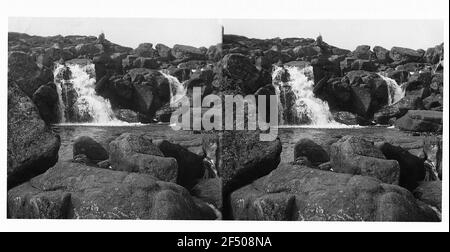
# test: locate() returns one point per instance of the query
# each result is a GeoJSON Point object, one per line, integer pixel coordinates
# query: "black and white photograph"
{"type": "Point", "coordinates": [226, 119]}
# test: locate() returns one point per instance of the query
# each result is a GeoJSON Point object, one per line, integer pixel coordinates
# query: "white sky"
{"type": "Point", "coordinates": [346, 34]}
{"type": "Point", "coordinates": [205, 32]}
{"type": "Point", "coordinates": [126, 31]}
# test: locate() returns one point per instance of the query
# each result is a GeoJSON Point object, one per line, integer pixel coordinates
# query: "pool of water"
{"type": "Point", "coordinates": [289, 135]}
{"type": "Point", "coordinates": [105, 134]}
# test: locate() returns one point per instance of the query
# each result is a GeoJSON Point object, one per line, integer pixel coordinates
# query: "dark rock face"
{"type": "Point", "coordinates": [312, 151]}
{"type": "Point", "coordinates": [89, 147]}
{"type": "Point", "coordinates": [430, 192]}
{"type": "Point", "coordinates": [242, 71]}
{"type": "Point", "coordinates": [190, 165]}
{"type": "Point", "coordinates": [421, 120]}
{"type": "Point", "coordinates": [46, 100]}
{"type": "Point", "coordinates": [434, 102]}
{"type": "Point", "coordinates": [298, 193]}
{"type": "Point", "coordinates": [142, 90]}
{"type": "Point", "coordinates": [368, 92]}
{"type": "Point", "coordinates": [26, 73]}
{"type": "Point", "coordinates": [245, 159]}
{"type": "Point", "coordinates": [412, 168]}
{"type": "Point", "coordinates": [355, 155]}
{"type": "Point", "coordinates": [435, 54]}
{"type": "Point", "coordinates": [76, 191]}
{"type": "Point", "coordinates": [360, 92]}
{"type": "Point", "coordinates": [32, 146]}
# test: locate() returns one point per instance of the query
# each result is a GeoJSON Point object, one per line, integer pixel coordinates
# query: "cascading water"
{"type": "Point", "coordinates": [177, 89]}
{"type": "Point", "coordinates": [395, 92]}
{"type": "Point", "coordinates": [298, 103]}
{"type": "Point", "coordinates": [78, 101]}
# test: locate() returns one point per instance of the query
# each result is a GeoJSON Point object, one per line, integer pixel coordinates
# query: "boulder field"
{"type": "Point", "coordinates": [136, 179]}
{"type": "Point", "coordinates": [231, 174]}
{"type": "Point", "coordinates": [356, 84]}
{"type": "Point", "coordinates": [136, 83]}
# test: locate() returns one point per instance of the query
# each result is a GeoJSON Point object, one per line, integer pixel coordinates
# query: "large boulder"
{"type": "Point", "coordinates": [214, 53]}
{"type": "Point", "coordinates": [299, 193]}
{"type": "Point", "coordinates": [162, 168]}
{"type": "Point", "coordinates": [430, 192]}
{"type": "Point", "coordinates": [402, 55]}
{"type": "Point", "coordinates": [363, 52]}
{"type": "Point", "coordinates": [25, 72]}
{"type": "Point", "coordinates": [399, 109]}
{"type": "Point", "coordinates": [382, 54]}
{"type": "Point", "coordinates": [435, 54]}
{"type": "Point", "coordinates": [368, 92]}
{"type": "Point", "coordinates": [306, 51]}
{"type": "Point", "coordinates": [164, 52]}
{"type": "Point", "coordinates": [421, 121]}
{"type": "Point", "coordinates": [315, 153]}
{"type": "Point", "coordinates": [137, 153]}
{"type": "Point", "coordinates": [190, 165]}
{"type": "Point", "coordinates": [32, 146]}
{"type": "Point", "coordinates": [185, 53]}
{"type": "Point", "coordinates": [243, 73]}
{"type": "Point", "coordinates": [244, 158]}
{"type": "Point", "coordinates": [89, 50]}
{"type": "Point", "coordinates": [89, 147]}
{"type": "Point", "coordinates": [412, 168]}
{"type": "Point", "coordinates": [47, 101]}
{"type": "Point", "coordinates": [75, 191]}
{"type": "Point", "coordinates": [151, 90]}
{"type": "Point", "coordinates": [356, 155]}
{"type": "Point", "coordinates": [146, 50]}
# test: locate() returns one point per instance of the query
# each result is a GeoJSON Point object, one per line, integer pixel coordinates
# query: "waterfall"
{"type": "Point", "coordinates": [297, 100]}
{"type": "Point", "coordinates": [78, 101]}
{"type": "Point", "coordinates": [177, 89]}
{"type": "Point", "coordinates": [395, 92]}
{"type": "Point", "coordinates": [61, 105]}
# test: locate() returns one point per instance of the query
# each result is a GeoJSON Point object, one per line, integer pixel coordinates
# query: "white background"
{"type": "Point", "coordinates": [261, 9]}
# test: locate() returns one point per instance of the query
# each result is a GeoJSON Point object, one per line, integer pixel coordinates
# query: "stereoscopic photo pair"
{"type": "Point", "coordinates": [241, 128]}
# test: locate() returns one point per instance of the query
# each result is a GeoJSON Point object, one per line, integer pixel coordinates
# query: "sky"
{"type": "Point", "coordinates": [346, 34]}
{"type": "Point", "coordinates": [205, 32]}
{"type": "Point", "coordinates": [126, 31]}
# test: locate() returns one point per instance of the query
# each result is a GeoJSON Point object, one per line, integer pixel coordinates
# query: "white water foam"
{"type": "Point", "coordinates": [177, 88]}
{"type": "Point", "coordinates": [61, 105]}
{"type": "Point", "coordinates": [88, 103]}
{"type": "Point", "coordinates": [395, 92]}
{"type": "Point", "coordinates": [306, 104]}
